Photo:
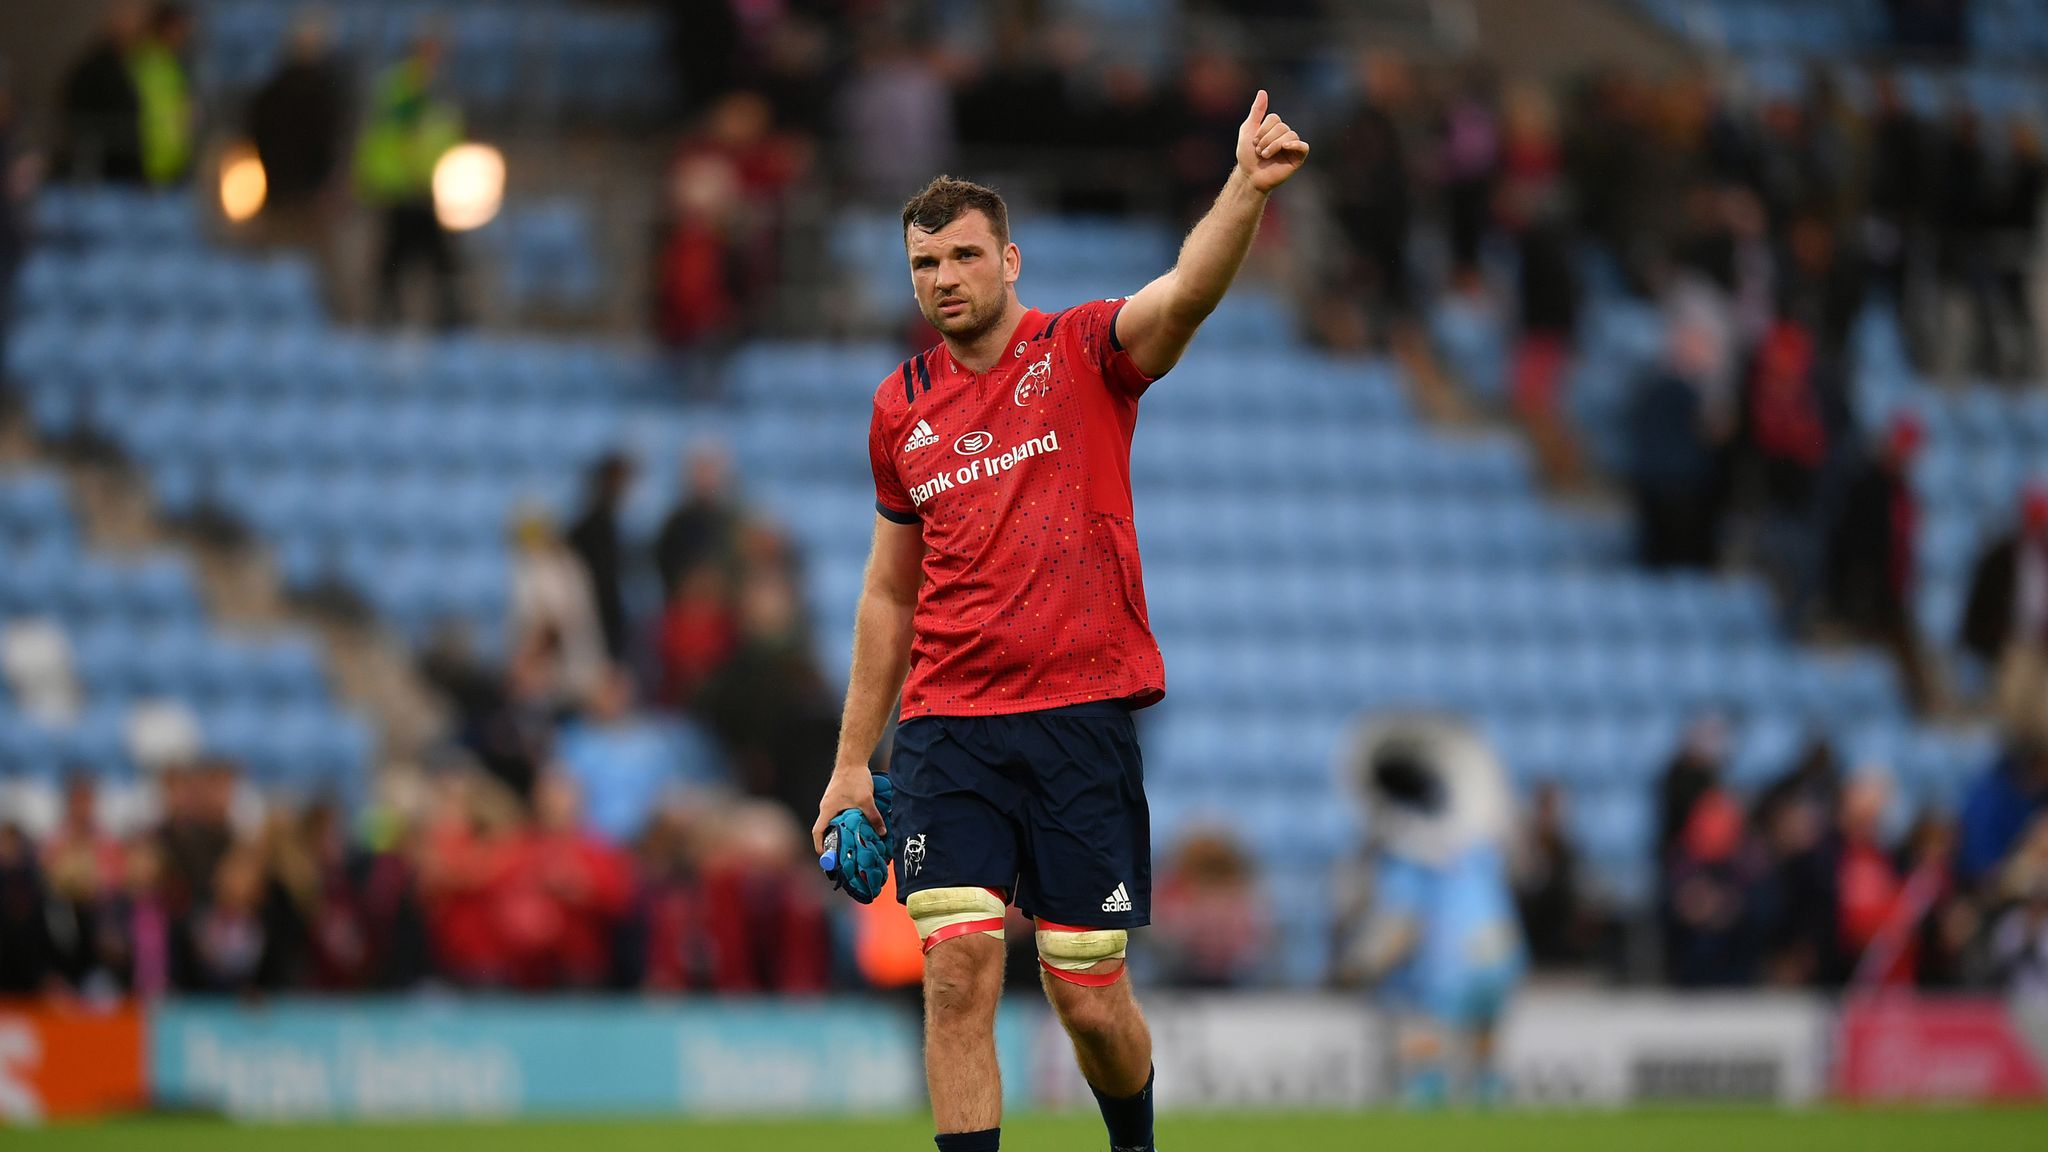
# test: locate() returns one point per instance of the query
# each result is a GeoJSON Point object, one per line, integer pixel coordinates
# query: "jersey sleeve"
{"type": "Point", "coordinates": [1095, 322]}
{"type": "Point", "coordinates": [890, 499]}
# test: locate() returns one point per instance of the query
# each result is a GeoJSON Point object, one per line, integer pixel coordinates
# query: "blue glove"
{"type": "Point", "coordinates": [856, 856]}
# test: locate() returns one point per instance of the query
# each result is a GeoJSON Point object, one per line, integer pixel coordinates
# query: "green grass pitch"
{"type": "Point", "coordinates": [1652, 1131]}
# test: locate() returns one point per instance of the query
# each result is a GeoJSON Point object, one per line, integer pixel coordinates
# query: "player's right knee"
{"type": "Point", "coordinates": [943, 913]}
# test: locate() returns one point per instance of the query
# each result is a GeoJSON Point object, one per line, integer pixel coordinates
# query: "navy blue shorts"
{"type": "Point", "coordinates": [1046, 807]}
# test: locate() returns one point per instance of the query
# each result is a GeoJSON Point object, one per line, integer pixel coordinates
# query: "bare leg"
{"type": "Point", "coordinates": [963, 982]}
{"type": "Point", "coordinates": [1111, 1042]}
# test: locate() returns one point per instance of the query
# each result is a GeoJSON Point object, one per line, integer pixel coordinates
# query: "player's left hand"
{"type": "Point", "coordinates": [1268, 151]}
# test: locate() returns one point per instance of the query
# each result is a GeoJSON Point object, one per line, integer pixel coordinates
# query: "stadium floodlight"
{"type": "Point", "coordinates": [244, 186]}
{"type": "Point", "coordinates": [469, 186]}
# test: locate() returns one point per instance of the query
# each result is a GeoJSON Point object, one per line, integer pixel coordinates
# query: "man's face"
{"type": "Point", "coordinates": [961, 275]}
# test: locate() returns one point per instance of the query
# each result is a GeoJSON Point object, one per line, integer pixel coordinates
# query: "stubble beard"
{"type": "Point", "coordinates": [978, 321]}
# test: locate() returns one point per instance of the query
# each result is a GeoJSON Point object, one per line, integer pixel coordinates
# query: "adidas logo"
{"type": "Point", "coordinates": [1119, 901]}
{"type": "Point", "coordinates": [921, 436]}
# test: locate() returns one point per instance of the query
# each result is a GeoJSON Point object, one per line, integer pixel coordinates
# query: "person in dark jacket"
{"type": "Point", "coordinates": [101, 134]}
{"type": "Point", "coordinates": [298, 121]}
{"type": "Point", "coordinates": [595, 540]}
{"type": "Point", "coordinates": [1998, 611]}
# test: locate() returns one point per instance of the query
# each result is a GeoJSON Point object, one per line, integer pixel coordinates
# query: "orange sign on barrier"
{"type": "Point", "coordinates": [69, 1061]}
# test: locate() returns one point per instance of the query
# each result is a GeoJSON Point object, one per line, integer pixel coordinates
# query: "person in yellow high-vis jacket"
{"type": "Point", "coordinates": [164, 95]}
{"type": "Point", "coordinates": [407, 133]}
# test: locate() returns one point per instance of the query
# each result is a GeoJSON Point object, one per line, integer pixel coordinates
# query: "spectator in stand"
{"type": "Point", "coordinates": [1964, 214]}
{"type": "Point", "coordinates": [623, 765]}
{"type": "Point", "coordinates": [1873, 550]}
{"type": "Point", "coordinates": [2021, 186]}
{"type": "Point", "coordinates": [1997, 809]}
{"type": "Point", "coordinates": [1947, 922]}
{"type": "Point", "coordinates": [726, 192]}
{"type": "Point", "coordinates": [697, 283]}
{"type": "Point", "coordinates": [2019, 941]}
{"type": "Point", "coordinates": [227, 943]}
{"type": "Point", "coordinates": [595, 539]}
{"type": "Point", "coordinates": [768, 704]}
{"type": "Point", "coordinates": [1712, 900]}
{"type": "Point", "coordinates": [1796, 816]}
{"type": "Point", "coordinates": [196, 834]}
{"type": "Point", "coordinates": [327, 877]}
{"type": "Point", "coordinates": [298, 123]}
{"type": "Point", "coordinates": [562, 897]}
{"type": "Point", "coordinates": [1870, 895]}
{"type": "Point", "coordinates": [139, 923]}
{"type": "Point", "coordinates": [101, 137]}
{"type": "Point", "coordinates": [1693, 772]}
{"type": "Point", "coordinates": [707, 46]}
{"type": "Point", "coordinates": [763, 910]}
{"type": "Point", "coordinates": [555, 624]}
{"type": "Point", "coordinates": [1546, 878]}
{"type": "Point", "coordinates": [2005, 618]}
{"type": "Point", "coordinates": [704, 524]}
{"type": "Point", "coordinates": [698, 634]}
{"type": "Point", "coordinates": [1531, 210]}
{"type": "Point", "coordinates": [408, 130]}
{"type": "Point", "coordinates": [1788, 434]}
{"type": "Point", "coordinates": [1467, 166]}
{"type": "Point", "coordinates": [1017, 99]}
{"type": "Point", "coordinates": [1126, 116]}
{"type": "Point", "coordinates": [79, 844]}
{"type": "Point", "coordinates": [506, 717]}
{"type": "Point", "coordinates": [896, 117]}
{"type": "Point", "coordinates": [1204, 109]}
{"type": "Point", "coordinates": [465, 855]}
{"type": "Point", "coordinates": [1209, 926]}
{"type": "Point", "coordinates": [169, 119]}
{"type": "Point", "coordinates": [1372, 197]}
{"type": "Point", "coordinates": [25, 962]}
{"type": "Point", "coordinates": [84, 869]}
{"type": "Point", "coordinates": [672, 951]}
{"type": "Point", "coordinates": [730, 907]}
{"type": "Point", "coordinates": [1898, 190]}
{"type": "Point", "coordinates": [796, 77]}
{"type": "Point", "coordinates": [1674, 449]}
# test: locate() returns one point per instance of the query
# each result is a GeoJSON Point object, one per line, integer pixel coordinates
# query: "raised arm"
{"type": "Point", "coordinates": [1156, 324]}
{"type": "Point", "coordinates": [881, 658]}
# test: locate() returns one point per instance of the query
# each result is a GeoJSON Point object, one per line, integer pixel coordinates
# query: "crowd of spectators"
{"type": "Point", "coordinates": [1808, 883]}
{"type": "Point", "coordinates": [461, 886]}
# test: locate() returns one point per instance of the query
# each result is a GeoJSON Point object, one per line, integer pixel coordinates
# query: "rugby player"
{"type": "Point", "coordinates": [1003, 601]}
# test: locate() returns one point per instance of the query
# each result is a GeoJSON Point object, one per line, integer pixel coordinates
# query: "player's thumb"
{"type": "Point", "coordinates": [1258, 113]}
{"type": "Point", "coordinates": [874, 815]}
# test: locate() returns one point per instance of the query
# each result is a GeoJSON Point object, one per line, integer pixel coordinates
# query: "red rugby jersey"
{"type": "Point", "coordinates": [1021, 477]}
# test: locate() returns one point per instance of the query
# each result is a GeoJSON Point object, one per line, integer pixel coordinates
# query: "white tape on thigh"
{"type": "Point", "coordinates": [1068, 950]}
{"type": "Point", "coordinates": [943, 913]}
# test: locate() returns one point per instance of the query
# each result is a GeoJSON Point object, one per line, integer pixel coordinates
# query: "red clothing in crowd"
{"type": "Point", "coordinates": [532, 911]}
{"type": "Point", "coordinates": [696, 290]}
{"type": "Point", "coordinates": [1787, 419]}
{"type": "Point", "coordinates": [737, 930]}
{"type": "Point", "coordinates": [1869, 895]}
{"type": "Point", "coordinates": [697, 634]}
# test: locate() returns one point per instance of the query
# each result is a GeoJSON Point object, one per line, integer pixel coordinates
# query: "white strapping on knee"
{"type": "Point", "coordinates": [943, 913]}
{"type": "Point", "coordinates": [1079, 949]}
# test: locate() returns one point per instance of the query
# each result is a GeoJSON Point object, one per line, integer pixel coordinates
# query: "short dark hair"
{"type": "Point", "coordinates": [945, 199]}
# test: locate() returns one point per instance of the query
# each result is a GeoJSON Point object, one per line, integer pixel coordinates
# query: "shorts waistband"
{"type": "Point", "coordinates": [1107, 708]}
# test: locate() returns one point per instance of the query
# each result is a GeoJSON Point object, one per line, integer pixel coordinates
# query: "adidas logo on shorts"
{"type": "Point", "coordinates": [1119, 901]}
{"type": "Point", "coordinates": [921, 436]}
